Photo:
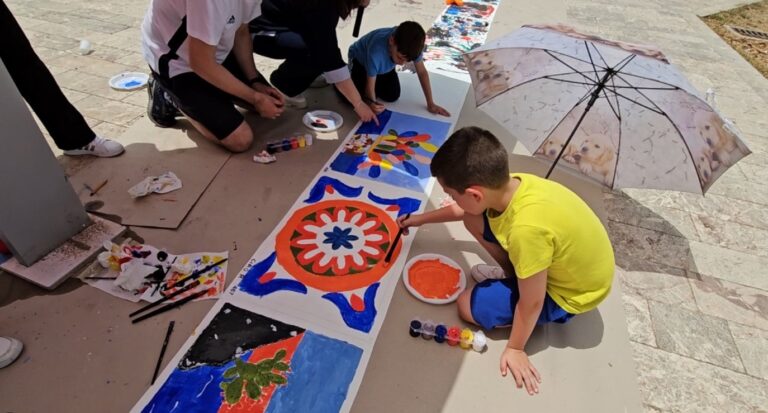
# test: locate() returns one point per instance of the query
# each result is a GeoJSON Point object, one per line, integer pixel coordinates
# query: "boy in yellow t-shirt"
{"type": "Point", "coordinates": [555, 257]}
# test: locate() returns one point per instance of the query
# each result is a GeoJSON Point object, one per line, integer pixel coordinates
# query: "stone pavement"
{"type": "Point", "coordinates": [695, 268]}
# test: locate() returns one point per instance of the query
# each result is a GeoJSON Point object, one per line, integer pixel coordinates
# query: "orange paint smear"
{"type": "Point", "coordinates": [434, 279]}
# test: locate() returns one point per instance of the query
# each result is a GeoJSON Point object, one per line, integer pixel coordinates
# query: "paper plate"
{"type": "Point", "coordinates": [129, 81]}
{"type": "Point", "coordinates": [323, 120]}
{"type": "Point", "coordinates": [443, 260]}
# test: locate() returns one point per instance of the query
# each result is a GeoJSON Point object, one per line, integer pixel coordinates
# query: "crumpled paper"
{"type": "Point", "coordinates": [162, 184]}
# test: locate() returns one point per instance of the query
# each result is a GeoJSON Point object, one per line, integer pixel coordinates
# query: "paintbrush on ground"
{"type": "Point", "coordinates": [172, 305]}
{"type": "Point", "coordinates": [162, 350]}
{"type": "Point", "coordinates": [96, 190]}
{"type": "Point", "coordinates": [392, 247]}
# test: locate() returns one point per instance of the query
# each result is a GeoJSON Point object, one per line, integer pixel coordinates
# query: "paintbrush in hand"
{"type": "Point", "coordinates": [392, 247]}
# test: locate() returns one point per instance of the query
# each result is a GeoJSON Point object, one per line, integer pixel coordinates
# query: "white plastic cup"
{"type": "Point", "coordinates": [85, 47]}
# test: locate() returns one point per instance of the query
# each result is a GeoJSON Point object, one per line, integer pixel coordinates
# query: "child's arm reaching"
{"type": "Point", "coordinates": [447, 213]}
{"type": "Point", "coordinates": [514, 359]}
{"type": "Point", "coordinates": [370, 95]}
{"type": "Point", "coordinates": [432, 107]}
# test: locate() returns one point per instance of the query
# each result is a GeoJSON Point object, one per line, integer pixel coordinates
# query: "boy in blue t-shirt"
{"type": "Point", "coordinates": [373, 59]}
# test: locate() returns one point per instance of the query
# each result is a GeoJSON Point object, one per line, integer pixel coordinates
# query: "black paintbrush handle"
{"type": "Point", "coordinates": [165, 298]}
{"type": "Point", "coordinates": [162, 350]}
{"type": "Point", "coordinates": [200, 272]}
{"type": "Point", "coordinates": [394, 243]}
{"type": "Point", "coordinates": [171, 306]}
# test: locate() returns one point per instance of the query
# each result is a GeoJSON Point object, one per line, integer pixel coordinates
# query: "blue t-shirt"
{"type": "Point", "coordinates": [372, 51]}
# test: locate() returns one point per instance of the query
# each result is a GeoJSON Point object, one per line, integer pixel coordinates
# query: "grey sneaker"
{"type": "Point", "coordinates": [482, 272]}
{"type": "Point", "coordinates": [101, 147]}
{"type": "Point", "coordinates": [10, 348]}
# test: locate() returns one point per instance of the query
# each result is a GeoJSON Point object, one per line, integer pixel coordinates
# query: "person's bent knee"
{"type": "Point", "coordinates": [390, 96]}
{"type": "Point", "coordinates": [240, 140]}
{"type": "Point", "coordinates": [464, 306]}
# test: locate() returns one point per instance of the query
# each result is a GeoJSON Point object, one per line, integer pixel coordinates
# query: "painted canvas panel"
{"type": "Point", "coordinates": [458, 30]}
{"type": "Point", "coordinates": [325, 260]}
{"type": "Point", "coordinates": [246, 362]}
{"type": "Point", "coordinates": [397, 152]}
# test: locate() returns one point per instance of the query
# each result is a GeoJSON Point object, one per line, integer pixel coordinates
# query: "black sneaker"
{"type": "Point", "coordinates": [160, 109]}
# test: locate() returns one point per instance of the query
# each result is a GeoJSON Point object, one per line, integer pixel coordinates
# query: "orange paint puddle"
{"type": "Point", "coordinates": [434, 279]}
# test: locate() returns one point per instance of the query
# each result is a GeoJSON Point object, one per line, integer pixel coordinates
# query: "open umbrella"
{"type": "Point", "coordinates": [617, 112]}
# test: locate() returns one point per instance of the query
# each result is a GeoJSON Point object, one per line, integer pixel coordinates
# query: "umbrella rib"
{"type": "Point", "coordinates": [618, 107]}
{"type": "Point", "coordinates": [648, 78]}
{"type": "Point", "coordinates": [640, 93]}
{"type": "Point", "coordinates": [657, 111]}
{"type": "Point", "coordinates": [599, 54]}
{"type": "Point", "coordinates": [646, 88]}
{"type": "Point", "coordinates": [571, 57]}
{"type": "Point", "coordinates": [569, 66]}
{"type": "Point", "coordinates": [591, 61]}
{"type": "Point", "coordinates": [610, 105]}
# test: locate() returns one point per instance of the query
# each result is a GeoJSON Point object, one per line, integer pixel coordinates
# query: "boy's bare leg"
{"type": "Point", "coordinates": [239, 140]}
{"type": "Point", "coordinates": [474, 224]}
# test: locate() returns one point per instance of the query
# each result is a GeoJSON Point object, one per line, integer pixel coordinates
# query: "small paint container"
{"type": "Point", "coordinates": [415, 328]}
{"type": "Point", "coordinates": [440, 332]}
{"type": "Point", "coordinates": [453, 336]}
{"type": "Point", "coordinates": [466, 338]}
{"type": "Point", "coordinates": [427, 330]}
{"type": "Point", "coordinates": [479, 341]}
{"type": "Point", "coordinates": [286, 145]}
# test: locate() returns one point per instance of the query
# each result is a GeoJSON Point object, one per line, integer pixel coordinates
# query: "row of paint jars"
{"type": "Point", "coordinates": [464, 338]}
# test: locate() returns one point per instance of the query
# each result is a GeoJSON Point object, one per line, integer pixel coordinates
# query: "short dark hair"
{"type": "Point", "coordinates": [471, 156]}
{"type": "Point", "coordinates": [409, 39]}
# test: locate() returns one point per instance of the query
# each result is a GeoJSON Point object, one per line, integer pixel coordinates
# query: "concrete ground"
{"type": "Point", "coordinates": [695, 280]}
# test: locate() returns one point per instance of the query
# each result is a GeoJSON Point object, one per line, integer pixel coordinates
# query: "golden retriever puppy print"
{"type": "Point", "coordinates": [721, 142]}
{"type": "Point", "coordinates": [552, 147]}
{"type": "Point", "coordinates": [702, 159]}
{"type": "Point", "coordinates": [596, 157]}
{"type": "Point", "coordinates": [490, 78]}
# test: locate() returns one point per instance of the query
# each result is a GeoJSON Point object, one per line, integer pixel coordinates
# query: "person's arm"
{"type": "Point", "coordinates": [448, 213]}
{"type": "Point", "coordinates": [426, 87]}
{"type": "Point", "coordinates": [202, 60]}
{"type": "Point", "coordinates": [243, 50]}
{"type": "Point", "coordinates": [514, 359]}
{"type": "Point", "coordinates": [370, 95]}
{"type": "Point", "coordinates": [348, 89]}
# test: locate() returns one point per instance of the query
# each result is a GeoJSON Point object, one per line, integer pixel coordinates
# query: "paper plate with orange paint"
{"type": "Point", "coordinates": [434, 278]}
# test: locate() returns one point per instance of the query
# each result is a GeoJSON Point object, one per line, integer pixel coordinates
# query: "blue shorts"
{"type": "Point", "coordinates": [493, 302]}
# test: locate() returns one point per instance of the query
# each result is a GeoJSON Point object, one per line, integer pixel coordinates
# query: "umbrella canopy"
{"type": "Point", "coordinates": [616, 112]}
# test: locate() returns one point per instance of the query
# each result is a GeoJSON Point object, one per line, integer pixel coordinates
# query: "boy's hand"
{"type": "Point", "coordinates": [377, 107]}
{"type": "Point", "coordinates": [437, 109]}
{"type": "Point", "coordinates": [365, 113]}
{"type": "Point", "coordinates": [269, 91]}
{"type": "Point", "coordinates": [267, 106]}
{"type": "Point", "coordinates": [406, 221]}
{"type": "Point", "coordinates": [516, 361]}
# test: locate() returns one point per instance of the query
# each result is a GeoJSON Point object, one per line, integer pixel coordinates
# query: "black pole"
{"type": "Point", "coordinates": [595, 94]}
{"type": "Point", "coordinates": [358, 21]}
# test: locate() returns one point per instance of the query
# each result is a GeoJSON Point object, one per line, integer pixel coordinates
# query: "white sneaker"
{"type": "Point", "coordinates": [10, 348]}
{"type": "Point", "coordinates": [299, 101]}
{"type": "Point", "coordinates": [101, 147]}
{"type": "Point", "coordinates": [482, 272]}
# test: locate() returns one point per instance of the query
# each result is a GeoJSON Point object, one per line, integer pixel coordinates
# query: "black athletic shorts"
{"type": "Point", "coordinates": [204, 102]}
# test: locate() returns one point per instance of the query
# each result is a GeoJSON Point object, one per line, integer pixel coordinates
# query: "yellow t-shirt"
{"type": "Point", "coordinates": [548, 227]}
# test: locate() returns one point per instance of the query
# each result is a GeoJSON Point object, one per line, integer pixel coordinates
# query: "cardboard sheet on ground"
{"type": "Point", "coordinates": [149, 151]}
{"type": "Point", "coordinates": [587, 361]}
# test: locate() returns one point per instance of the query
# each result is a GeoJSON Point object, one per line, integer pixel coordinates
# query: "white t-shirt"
{"type": "Point", "coordinates": [211, 21]}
